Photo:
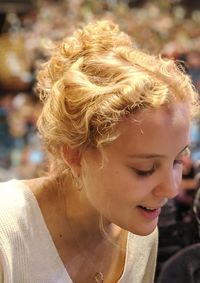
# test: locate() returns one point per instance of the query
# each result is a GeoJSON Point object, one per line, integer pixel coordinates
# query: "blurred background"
{"type": "Point", "coordinates": [26, 26]}
{"type": "Point", "coordinates": [170, 27]}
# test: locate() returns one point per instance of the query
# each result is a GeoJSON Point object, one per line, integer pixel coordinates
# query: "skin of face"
{"type": "Point", "coordinates": [151, 141]}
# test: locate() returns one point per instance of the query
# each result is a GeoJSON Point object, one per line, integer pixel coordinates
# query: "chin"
{"type": "Point", "coordinates": [143, 230]}
{"type": "Point", "coordinates": [145, 233]}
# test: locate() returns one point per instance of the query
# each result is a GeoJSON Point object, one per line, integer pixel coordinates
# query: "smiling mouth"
{"type": "Point", "coordinates": [150, 213]}
{"type": "Point", "coordinates": [148, 208]}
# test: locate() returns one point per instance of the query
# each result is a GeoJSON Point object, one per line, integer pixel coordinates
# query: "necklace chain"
{"type": "Point", "coordinates": [99, 277]}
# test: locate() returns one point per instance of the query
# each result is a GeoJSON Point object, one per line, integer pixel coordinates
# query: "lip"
{"type": "Point", "coordinates": [150, 214]}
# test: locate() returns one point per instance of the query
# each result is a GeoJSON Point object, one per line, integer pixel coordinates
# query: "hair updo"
{"type": "Point", "coordinates": [94, 79]}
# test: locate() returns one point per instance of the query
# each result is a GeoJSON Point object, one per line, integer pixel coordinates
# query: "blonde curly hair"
{"type": "Point", "coordinates": [97, 77]}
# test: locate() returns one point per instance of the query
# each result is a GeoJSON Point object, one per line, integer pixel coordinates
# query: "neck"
{"type": "Point", "coordinates": [83, 219]}
{"type": "Point", "coordinates": [74, 227]}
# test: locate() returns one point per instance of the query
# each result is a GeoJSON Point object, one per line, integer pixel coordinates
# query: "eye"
{"type": "Point", "coordinates": [178, 162]}
{"type": "Point", "coordinates": [180, 157]}
{"type": "Point", "coordinates": [147, 173]}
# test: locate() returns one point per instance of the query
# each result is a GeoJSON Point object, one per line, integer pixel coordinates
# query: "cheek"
{"type": "Point", "coordinates": [104, 183]}
{"type": "Point", "coordinates": [115, 184]}
{"type": "Point", "coordinates": [121, 184]}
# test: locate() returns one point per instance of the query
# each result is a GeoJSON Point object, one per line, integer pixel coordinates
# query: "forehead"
{"type": "Point", "coordinates": [177, 114]}
{"type": "Point", "coordinates": [155, 129]}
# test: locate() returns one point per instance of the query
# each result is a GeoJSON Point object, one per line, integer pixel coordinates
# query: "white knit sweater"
{"type": "Point", "coordinates": [27, 251]}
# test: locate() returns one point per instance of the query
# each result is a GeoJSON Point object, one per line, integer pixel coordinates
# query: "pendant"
{"type": "Point", "coordinates": [99, 277]}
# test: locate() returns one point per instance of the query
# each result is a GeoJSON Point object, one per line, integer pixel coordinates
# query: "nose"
{"type": "Point", "coordinates": [169, 186]}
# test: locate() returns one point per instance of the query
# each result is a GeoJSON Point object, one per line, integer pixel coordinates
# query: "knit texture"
{"type": "Point", "coordinates": [27, 251]}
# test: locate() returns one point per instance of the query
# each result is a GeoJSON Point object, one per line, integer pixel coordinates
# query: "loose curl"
{"type": "Point", "coordinates": [96, 78]}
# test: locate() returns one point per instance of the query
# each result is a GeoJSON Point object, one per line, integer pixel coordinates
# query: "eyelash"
{"type": "Point", "coordinates": [151, 171]}
{"type": "Point", "coordinates": [145, 173]}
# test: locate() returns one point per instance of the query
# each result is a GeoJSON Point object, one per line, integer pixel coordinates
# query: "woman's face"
{"type": "Point", "coordinates": [142, 168]}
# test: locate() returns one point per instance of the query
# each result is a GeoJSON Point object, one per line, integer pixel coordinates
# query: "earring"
{"type": "Point", "coordinates": [78, 183]}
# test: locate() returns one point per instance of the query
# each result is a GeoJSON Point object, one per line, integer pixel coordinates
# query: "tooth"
{"type": "Point", "coordinates": [148, 208]}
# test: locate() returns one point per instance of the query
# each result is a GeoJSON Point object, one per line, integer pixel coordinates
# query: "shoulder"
{"type": "Point", "coordinates": [27, 253]}
{"type": "Point", "coordinates": [14, 220]}
{"type": "Point", "coordinates": [13, 197]}
{"type": "Point", "coordinates": [16, 207]}
{"type": "Point", "coordinates": [11, 192]}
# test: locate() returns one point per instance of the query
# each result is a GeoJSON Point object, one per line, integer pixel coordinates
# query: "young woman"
{"type": "Point", "coordinates": [115, 123]}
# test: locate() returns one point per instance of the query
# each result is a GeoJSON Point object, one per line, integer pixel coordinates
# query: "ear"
{"type": "Point", "coordinates": [72, 157]}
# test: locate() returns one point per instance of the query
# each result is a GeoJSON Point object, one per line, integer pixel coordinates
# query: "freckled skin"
{"type": "Point", "coordinates": [115, 190]}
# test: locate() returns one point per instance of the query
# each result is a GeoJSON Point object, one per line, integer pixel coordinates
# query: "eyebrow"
{"type": "Point", "coordinates": [152, 155]}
